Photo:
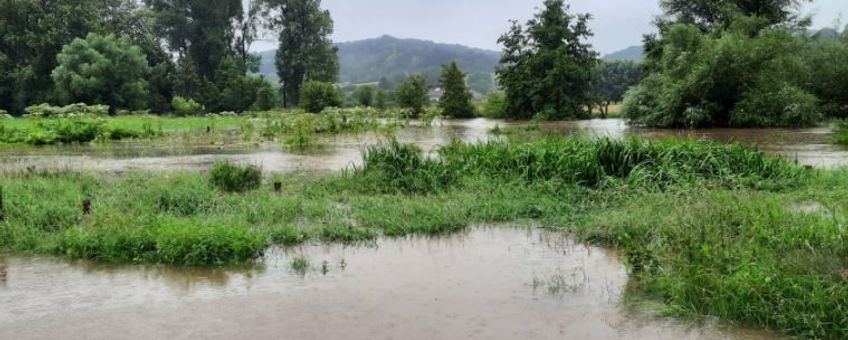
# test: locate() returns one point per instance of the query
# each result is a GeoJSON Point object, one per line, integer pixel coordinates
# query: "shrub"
{"type": "Point", "coordinates": [315, 96]}
{"type": "Point", "coordinates": [45, 110]}
{"type": "Point", "coordinates": [228, 177]}
{"type": "Point", "coordinates": [412, 94]}
{"type": "Point", "coordinates": [787, 106]}
{"type": "Point", "coordinates": [186, 107]}
{"type": "Point", "coordinates": [494, 105]}
{"type": "Point", "coordinates": [403, 167]}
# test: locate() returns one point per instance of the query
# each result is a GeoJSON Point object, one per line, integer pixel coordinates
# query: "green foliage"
{"type": "Point", "coordinates": [365, 95]}
{"type": "Point", "coordinates": [826, 73]}
{"type": "Point", "coordinates": [611, 80]}
{"type": "Point", "coordinates": [34, 32]}
{"type": "Point", "coordinates": [786, 106]}
{"type": "Point", "coordinates": [167, 242]}
{"type": "Point", "coordinates": [266, 97]}
{"type": "Point", "coordinates": [380, 100]}
{"type": "Point", "coordinates": [720, 14]}
{"type": "Point", "coordinates": [186, 107]}
{"type": "Point", "coordinates": [305, 51]}
{"type": "Point", "coordinates": [707, 80]}
{"type": "Point", "coordinates": [393, 166]}
{"type": "Point", "coordinates": [841, 133]}
{"type": "Point", "coordinates": [69, 130]}
{"type": "Point", "coordinates": [456, 102]}
{"type": "Point", "coordinates": [102, 69]}
{"type": "Point", "coordinates": [45, 110]}
{"type": "Point", "coordinates": [494, 106]}
{"type": "Point", "coordinates": [578, 162]}
{"type": "Point", "coordinates": [315, 96]}
{"type": "Point", "coordinates": [412, 94]}
{"type": "Point", "coordinates": [229, 177]}
{"type": "Point", "coordinates": [546, 70]}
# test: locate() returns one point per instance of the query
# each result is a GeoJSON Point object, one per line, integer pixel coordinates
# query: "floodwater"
{"type": "Point", "coordinates": [487, 283]}
{"type": "Point", "coordinates": [333, 153]}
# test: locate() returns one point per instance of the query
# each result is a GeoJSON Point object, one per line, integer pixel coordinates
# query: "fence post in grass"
{"type": "Point", "coordinates": [278, 187]}
{"type": "Point", "coordinates": [86, 207]}
{"type": "Point", "coordinates": [208, 129]}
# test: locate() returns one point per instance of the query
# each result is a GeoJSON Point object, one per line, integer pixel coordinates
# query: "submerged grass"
{"type": "Point", "coordinates": [706, 229]}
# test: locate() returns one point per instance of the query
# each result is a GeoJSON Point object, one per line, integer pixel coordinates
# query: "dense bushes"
{"type": "Point", "coordinates": [315, 96]}
{"type": "Point", "coordinates": [74, 110]}
{"type": "Point", "coordinates": [70, 130]}
{"type": "Point", "coordinates": [729, 78]}
{"type": "Point", "coordinates": [228, 177]}
{"type": "Point", "coordinates": [186, 107]}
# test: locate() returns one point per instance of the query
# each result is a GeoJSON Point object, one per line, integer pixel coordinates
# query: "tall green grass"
{"type": "Point", "coordinates": [587, 162]}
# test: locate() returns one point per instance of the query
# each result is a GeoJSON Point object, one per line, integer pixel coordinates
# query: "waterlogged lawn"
{"type": "Point", "coordinates": [706, 229]}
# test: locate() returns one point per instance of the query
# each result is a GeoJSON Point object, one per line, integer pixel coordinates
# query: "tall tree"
{"type": "Point", "coordinates": [717, 14]}
{"type": "Point", "coordinates": [412, 94]}
{"type": "Point", "coordinates": [546, 69]}
{"type": "Point", "coordinates": [202, 29]}
{"type": "Point", "coordinates": [102, 70]}
{"type": "Point", "coordinates": [32, 33]}
{"type": "Point", "coordinates": [305, 50]}
{"type": "Point", "coordinates": [456, 102]}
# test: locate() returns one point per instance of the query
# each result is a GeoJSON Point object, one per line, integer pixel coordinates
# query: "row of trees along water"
{"type": "Point", "coordinates": [713, 63]}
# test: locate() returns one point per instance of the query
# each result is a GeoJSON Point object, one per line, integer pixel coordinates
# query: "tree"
{"type": "Point", "coordinates": [546, 69]}
{"type": "Point", "coordinates": [201, 29]}
{"type": "Point", "coordinates": [456, 102]}
{"type": "Point", "coordinates": [32, 33]}
{"type": "Point", "coordinates": [712, 15]}
{"type": "Point", "coordinates": [412, 94]}
{"type": "Point", "coordinates": [707, 80]}
{"type": "Point", "coordinates": [305, 50]}
{"type": "Point", "coordinates": [611, 80]}
{"type": "Point", "coordinates": [364, 95]}
{"type": "Point", "coordinates": [380, 100]}
{"type": "Point", "coordinates": [826, 73]}
{"type": "Point", "coordinates": [102, 70]}
{"type": "Point", "coordinates": [316, 96]}
{"type": "Point", "coordinates": [266, 98]}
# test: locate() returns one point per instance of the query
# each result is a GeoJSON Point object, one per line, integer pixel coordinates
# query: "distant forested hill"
{"type": "Point", "coordinates": [393, 59]}
{"type": "Point", "coordinates": [632, 53]}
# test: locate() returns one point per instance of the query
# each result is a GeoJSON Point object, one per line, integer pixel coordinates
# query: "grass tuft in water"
{"type": "Point", "coordinates": [229, 177]}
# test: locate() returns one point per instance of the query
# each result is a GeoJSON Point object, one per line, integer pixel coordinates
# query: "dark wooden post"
{"type": "Point", "coordinates": [86, 207]}
{"type": "Point", "coordinates": [208, 129]}
{"type": "Point", "coordinates": [278, 187]}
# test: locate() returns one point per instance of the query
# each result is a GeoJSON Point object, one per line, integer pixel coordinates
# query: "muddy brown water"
{"type": "Point", "coordinates": [487, 283]}
{"type": "Point", "coordinates": [808, 146]}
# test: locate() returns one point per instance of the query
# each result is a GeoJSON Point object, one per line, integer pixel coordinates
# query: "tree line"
{"type": "Point", "coordinates": [713, 63]}
{"type": "Point", "coordinates": [137, 55]}
{"type": "Point", "coordinates": [734, 63]}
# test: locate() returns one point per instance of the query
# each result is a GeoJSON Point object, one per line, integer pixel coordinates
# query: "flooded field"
{"type": "Point", "coordinates": [488, 283]}
{"type": "Point", "coordinates": [808, 146]}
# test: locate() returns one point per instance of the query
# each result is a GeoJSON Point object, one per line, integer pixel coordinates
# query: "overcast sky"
{"type": "Point", "coordinates": [617, 24]}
